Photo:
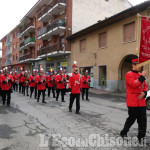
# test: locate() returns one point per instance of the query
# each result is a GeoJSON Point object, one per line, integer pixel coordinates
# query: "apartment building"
{"type": "Point", "coordinates": [10, 50]}
{"type": "Point", "coordinates": [43, 30]}
{"type": "Point", "coordinates": [106, 48]}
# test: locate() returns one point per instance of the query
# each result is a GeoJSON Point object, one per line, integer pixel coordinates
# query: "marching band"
{"type": "Point", "coordinates": [40, 83]}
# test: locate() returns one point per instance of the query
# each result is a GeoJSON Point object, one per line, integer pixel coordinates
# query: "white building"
{"type": "Point", "coordinates": [88, 12]}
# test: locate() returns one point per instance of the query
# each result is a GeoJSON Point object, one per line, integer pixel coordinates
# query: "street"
{"type": "Point", "coordinates": [24, 123]}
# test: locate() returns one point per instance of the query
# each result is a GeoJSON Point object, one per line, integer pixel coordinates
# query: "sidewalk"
{"type": "Point", "coordinates": [101, 92]}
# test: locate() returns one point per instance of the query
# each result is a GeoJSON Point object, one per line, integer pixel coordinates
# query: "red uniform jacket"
{"type": "Point", "coordinates": [5, 86]}
{"type": "Point", "coordinates": [59, 83]}
{"type": "Point", "coordinates": [85, 81]}
{"type": "Point", "coordinates": [15, 78]}
{"type": "Point", "coordinates": [51, 80]}
{"type": "Point", "coordinates": [75, 83]}
{"type": "Point", "coordinates": [25, 81]}
{"type": "Point", "coordinates": [32, 80]}
{"type": "Point", "coordinates": [21, 78]}
{"type": "Point", "coordinates": [41, 85]}
{"type": "Point", "coordinates": [134, 88]}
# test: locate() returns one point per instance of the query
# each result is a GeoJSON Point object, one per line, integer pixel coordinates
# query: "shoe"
{"type": "Point", "coordinates": [37, 100]}
{"type": "Point", "coordinates": [124, 136]}
{"type": "Point", "coordinates": [44, 102]}
{"type": "Point", "coordinates": [27, 95]}
{"type": "Point", "coordinates": [3, 103]}
{"type": "Point", "coordinates": [8, 105]}
{"type": "Point", "coordinates": [56, 99]}
{"type": "Point", "coordinates": [83, 99]}
{"type": "Point", "coordinates": [35, 97]}
{"type": "Point", "coordinates": [87, 99]}
{"type": "Point", "coordinates": [63, 101]}
{"type": "Point", "coordinates": [70, 110]}
{"type": "Point", "coordinates": [78, 113]}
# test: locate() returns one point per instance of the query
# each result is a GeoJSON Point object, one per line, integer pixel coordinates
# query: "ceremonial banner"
{"type": "Point", "coordinates": [144, 53]}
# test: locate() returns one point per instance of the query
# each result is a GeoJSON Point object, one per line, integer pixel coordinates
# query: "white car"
{"type": "Point", "coordinates": [148, 100]}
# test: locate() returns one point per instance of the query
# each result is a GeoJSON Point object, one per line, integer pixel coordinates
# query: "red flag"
{"type": "Point", "coordinates": [144, 54]}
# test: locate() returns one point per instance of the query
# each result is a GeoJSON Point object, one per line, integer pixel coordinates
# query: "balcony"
{"type": "Point", "coordinates": [8, 63]}
{"type": "Point", "coordinates": [55, 28]}
{"type": "Point", "coordinates": [55, 7]}
{"type": "Point", "coordinates": [26, 58]}
{"type": "Point", "coordinates": [53, 50]}
{"type": "Point", "coordinates": [29, 42]}
{"type": "Point", "coordinates": [9, 41]}
{"type": "Point", "coordinates": [8, 51]}
{"type": "Point", "coordinates": [28, 28]}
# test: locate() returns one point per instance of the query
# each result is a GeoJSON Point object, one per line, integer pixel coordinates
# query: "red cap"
{"type": "Point", "coordinates": [135, 60]}
{"type": "Point", "coordinates": [75, 64]}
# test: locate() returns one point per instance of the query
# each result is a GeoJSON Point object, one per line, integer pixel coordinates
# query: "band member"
{"type": "Point", "coordinates": [65, 77]}
{"type": "Point", "coordinates": [51, 82]}
{"type": "Point", "coordinates": [136, 93]}
{"type": "Point", "coordinates": [6, 86]}
{"type": "Point", "coordinates": [75, 85]}
{"type": "Point", "coordinates": [85, 85]}
{"type": "Point", "coordinates": [36, 75]}
{"type": "Point", "coordinates": [1, 73]}
{"type": "Point", "coordinates": [21, 78]}
{"type": "Point", "coordinates": [26, 83]}
{"type": "Point", "coordinates": [60, 85]}
{"type": "Point", "coordinates": [15, 82]}
{"type": "Point", "coordinates": [32, 80]}
{"type": "Point", "coordinates": [41, 85]}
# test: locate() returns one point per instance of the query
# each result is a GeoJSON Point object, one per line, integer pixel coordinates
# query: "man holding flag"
{"type": "Point", "coordinates": [136, 93]}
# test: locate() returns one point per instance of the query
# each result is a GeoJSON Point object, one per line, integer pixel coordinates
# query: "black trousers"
{"type": "Point", "coordinates": [6, 94]}
{"type": "Point", "coordinates": [25, 90]}
{"type": "Point", "coordinates": [62, 94]}
{"type": "Point", "coordinates": [83, 92]}
{"type": "Point", "coordinates": [72, 98]}
{"type": "Point", "coordinates": [49, 91]}
{"type": "Point", "coordinates": [20, 87]}
{"type": "Point", "coordinates": [33, 89]}
{"type": "Point", "coordinates": [139, 114]}
{"type": "Point", "coordinates": [15, 87]}
{"type": "Point", "coordinates": [43, 95]}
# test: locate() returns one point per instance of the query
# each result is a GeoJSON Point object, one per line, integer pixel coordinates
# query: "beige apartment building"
{"type": "Point", "coordinates": [107, 48]}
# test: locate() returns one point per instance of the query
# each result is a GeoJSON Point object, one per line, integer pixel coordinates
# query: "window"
{"type": "Point", "coordinates": [83, 45]}
{"type": "Point", "coordinates": [14, 35]}
{"type": "Point", "coordinates": [13, 46]}
{"type": "Point", "coordinates": [102, 75]}
{"type": "Point", "coordinates": [16, 57]}
{"type": "Point", "coordinates": [13, 57]}
{"type": "Point", "coordinates": [16, 45]}
{"type": "Point", "coordinates": [129, 32]}
{"type": "Point", "coordinates": [102, 40]}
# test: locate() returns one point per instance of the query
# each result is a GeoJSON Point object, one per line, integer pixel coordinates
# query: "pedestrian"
{"type": "Point", "coordinates": [51, 82]}
{"type": "Point", "coordinates": [136, 92]}
{"type": "Point", "coordinates": [61, 82]}
{"type": "Point", "coordinates": [32, 80]}
{"type": "Point", "coordinates": [85, 85]}
{"type": "Point", "coordinates": [20, 78]}
{"type": "Point", "coordinates": [6, 80]}
{"type": "Point", "coordinates": [41, 85]}
{"type": "Point", "coordinates": [75, 85]}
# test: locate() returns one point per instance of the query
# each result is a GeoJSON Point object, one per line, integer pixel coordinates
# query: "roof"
{"type": "Point", "coordinates": [111, 20]}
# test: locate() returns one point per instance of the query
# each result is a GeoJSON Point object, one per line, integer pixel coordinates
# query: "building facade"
{"type": "Point", "coordinates": [107, 48]}
{"type": "Point", "coordinates": [43, 31]}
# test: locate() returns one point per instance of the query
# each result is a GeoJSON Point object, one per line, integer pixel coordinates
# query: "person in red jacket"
{"type": "Point", "coordinates": [60, 85]}
{"type": "Point", "coordinates": [15, 78]}
{"type": "Point", "coordinates": [75, 85]}
{"type": "Point", "coordinates": [26, 83]}
{"type": "Point", "coordinates": [50, 81]}
{"type": "Point", "coordinates": [85, 85]}
{"type": "Point", "coordinates": [6, 80]}
{"type": "Point", "coordinates": [1, 73]}
{"type": "Point", "coordinates": [32, 80]}
{"type": "Point", "coordinates": [41, 85]}
{"type": "Point", "coordinates": [136, 92]}
{"type": "Point", "coordinates": [20, 78]}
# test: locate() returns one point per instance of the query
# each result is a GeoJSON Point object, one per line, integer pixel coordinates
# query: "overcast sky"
{"type": "Point", "coordinates": [12, 11]}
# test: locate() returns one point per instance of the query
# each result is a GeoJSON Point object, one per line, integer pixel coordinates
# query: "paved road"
{"type": "Point", "coordinates": [23, 125]}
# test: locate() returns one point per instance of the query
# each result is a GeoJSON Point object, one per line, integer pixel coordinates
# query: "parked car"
{"type": "Point", "coordinates": [148, 100]}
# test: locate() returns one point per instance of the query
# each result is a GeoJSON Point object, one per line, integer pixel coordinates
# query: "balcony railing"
{"type": "Point", "coordinates": [25, 57]}
{"type": "Point", "coordinates": [8, 51]}
{"type": "Point", "coordinates": [8, 62]}
{"type": "Point", "coordinates": [58, 23]}
{"type": "Point", "coordinates": [51, 7]}
{"type": "Point", "coordinates": [50, 49]}
{"type": "Point", "coordinates": [28, 40]}
{"type": "Point", "coordinates": [26, 26]}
